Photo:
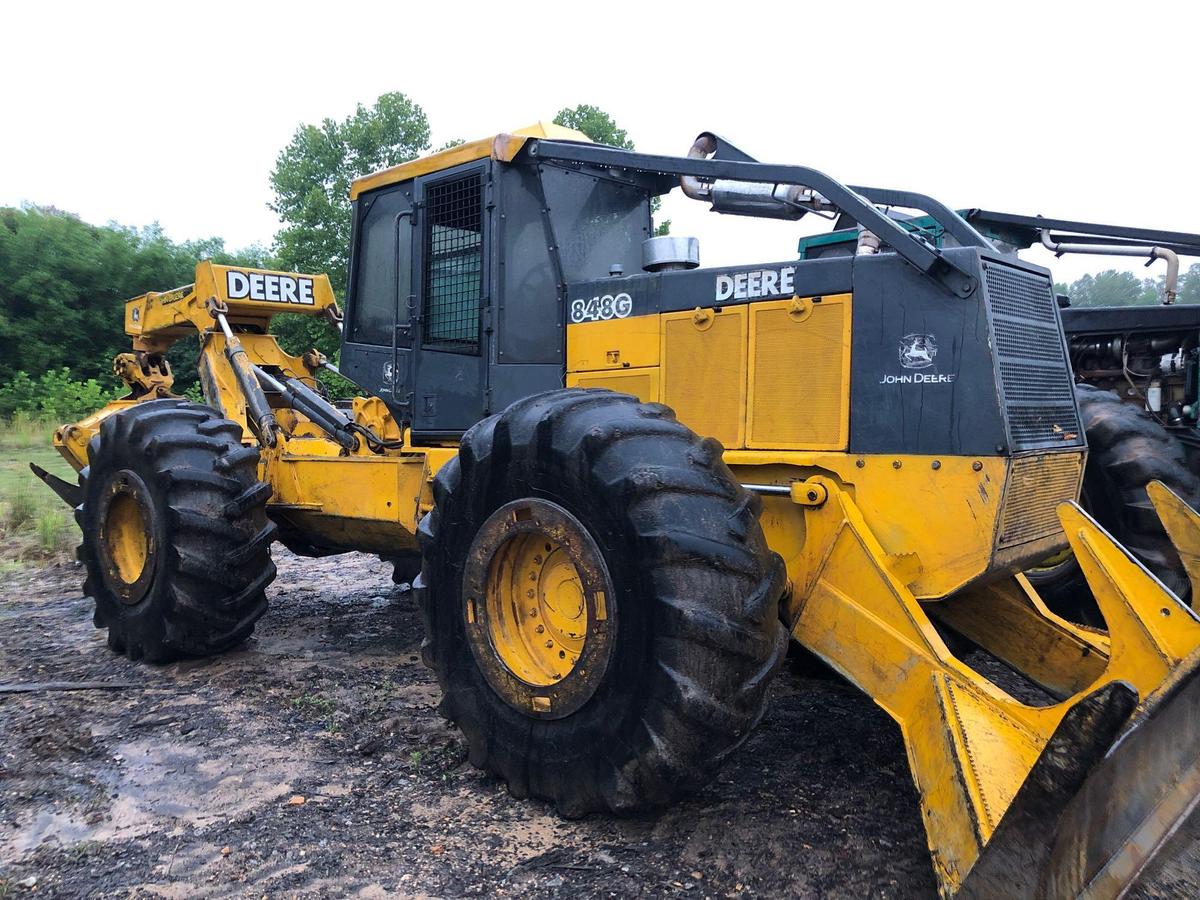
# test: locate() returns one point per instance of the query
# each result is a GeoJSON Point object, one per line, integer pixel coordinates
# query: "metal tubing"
{"type": "Point", "coordinates": [705, 145]}
{"type": "Point", "coordinates": [868, 244]}
{"type": "Point", "coordinates": [1170, 288]}
{"type": "Point", "coordinates": [262, 420]}
{"type": "Point", "coordinates": [1183, 243]}
{"type": "Point", "coordinates": [775, 489]}
{"type": "Point", "coordinates": [748, 198]}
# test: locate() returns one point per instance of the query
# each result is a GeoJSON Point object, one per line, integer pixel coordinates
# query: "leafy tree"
{"type": "Point", "coordinates": [1113, 288]}
{"type": "Point", "coordinates": [601, 128]}
{"type": "Point", "coordinates": [63, 287]}
{"type": "Point", "coordinates": [312, 177]}
{"type": "Point", "coordinates": [55, 395]}
{"type": "Point", "coordinates": [1189, 285]}
{"type": "Point", "coordinates": [595, 123]}
{"type": "Point", "coordinates": [311, 181]}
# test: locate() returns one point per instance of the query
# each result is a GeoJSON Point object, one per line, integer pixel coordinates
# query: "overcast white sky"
{"type": "Point", "coordinates": [143, 112]}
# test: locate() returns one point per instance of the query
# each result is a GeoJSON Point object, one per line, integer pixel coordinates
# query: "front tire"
{"type": "Point", "coordinates": [624, 534]}
{"type": "Point", "coordinates": [176, 540]}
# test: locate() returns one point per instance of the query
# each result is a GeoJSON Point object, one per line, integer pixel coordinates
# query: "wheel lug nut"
{"type": "Point", "coordinates": [540, 629]}
{"type": "Point", "coordinates": [529, 593]}
{"type": "Point", "coordinates": [533, 612]}
{"type": "Point", "coordinates": [549, 644]}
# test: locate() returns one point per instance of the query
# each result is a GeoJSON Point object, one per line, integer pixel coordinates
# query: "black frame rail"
{"type": "Point", "coordinates": [1180, 242]}
{"type": "Point", "coordinates": [912, 247]}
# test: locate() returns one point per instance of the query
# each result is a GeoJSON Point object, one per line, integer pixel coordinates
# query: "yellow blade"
{"type": "Point", "coordinates": [1183, 528]}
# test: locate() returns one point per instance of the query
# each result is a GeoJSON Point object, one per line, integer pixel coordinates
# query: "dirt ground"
{"type": "Point", "coordinates": [183, 782]}
{"type": "Point", "coordinates": [312, 762]}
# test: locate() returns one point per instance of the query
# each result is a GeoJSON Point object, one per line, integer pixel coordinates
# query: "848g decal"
{"type": "Point", "coordinates": [598, 308]}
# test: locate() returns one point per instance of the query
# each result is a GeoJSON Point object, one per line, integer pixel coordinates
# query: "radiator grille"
{"type": "Point", "coordinates": [800, 387]}
{"type": "Point", "coordinates": [453, 264]}
{"type": "Point", "coordinates": [1036, 486]}
{"type": "Point", "coordinates": [704, 373]}
{"type": "Point", "coordinates": [1035, 376]}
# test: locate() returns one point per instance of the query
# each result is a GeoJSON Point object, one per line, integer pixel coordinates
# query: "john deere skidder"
{"type": "Point", "coordinates": [632, 479]}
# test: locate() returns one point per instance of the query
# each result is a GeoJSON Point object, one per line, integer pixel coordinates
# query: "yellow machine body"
{"type": "Point", "coordinates": [338, 498]}
{"type": "Point", "coordinates": [746, 376]}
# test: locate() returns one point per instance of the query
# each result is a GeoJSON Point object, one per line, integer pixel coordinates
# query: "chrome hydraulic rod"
{"type": "Point", "coordinates": [259, 414]}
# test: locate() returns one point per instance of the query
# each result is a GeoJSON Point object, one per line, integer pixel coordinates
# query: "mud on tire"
{"type": "Point", "coordinates": [179, 469]}
{"type": "Point", "coordinates": [696, 588]}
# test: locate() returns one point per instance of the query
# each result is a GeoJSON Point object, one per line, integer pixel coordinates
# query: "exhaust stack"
{"type": "Point", "coordinates": [749, 198]}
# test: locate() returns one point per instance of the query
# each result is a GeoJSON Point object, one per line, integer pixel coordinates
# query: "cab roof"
{"type": "Point", "coordinates": [501, 146]}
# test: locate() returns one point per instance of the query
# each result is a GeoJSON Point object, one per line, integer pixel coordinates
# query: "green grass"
{"type": "Point", "coordinates": [315, 707]}
{"type": "Point", "coordinates": [34, 523]}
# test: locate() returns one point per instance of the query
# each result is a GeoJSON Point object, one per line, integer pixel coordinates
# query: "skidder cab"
{"type": "Point", "coordinates": [632, 479]}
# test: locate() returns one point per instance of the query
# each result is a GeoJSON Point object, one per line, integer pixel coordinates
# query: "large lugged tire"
{"type": "Point", "coordinates": [176, 540]}
{"type": "Point", "coordinates": [1127, 449]}
{"type": "Point", "coordinates": [679, 592]}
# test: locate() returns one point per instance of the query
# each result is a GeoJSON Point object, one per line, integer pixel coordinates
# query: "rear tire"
{"type": "Point", "coordinates": [1127, 449]}
{"type": "Point", "coordinates": [692, 627]}
{"type": "Point", "coordinates": [176, 540]}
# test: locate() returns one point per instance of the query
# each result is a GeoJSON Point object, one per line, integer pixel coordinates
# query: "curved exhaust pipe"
{"type": "Point", "coordinates": [1170, 287]}
{"type": "Point", "coordinates": [704, 146]}
{"type": "Point", "coordinates": [748, 198]}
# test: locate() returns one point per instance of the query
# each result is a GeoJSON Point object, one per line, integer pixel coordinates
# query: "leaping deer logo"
{"type": "Point", "coordinates": [917, 351]}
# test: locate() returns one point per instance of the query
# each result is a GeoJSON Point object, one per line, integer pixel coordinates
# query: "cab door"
{"type": "Point", "coordinates": [449, 341]}
{"type": "Point", "coordinates": [377, 343]}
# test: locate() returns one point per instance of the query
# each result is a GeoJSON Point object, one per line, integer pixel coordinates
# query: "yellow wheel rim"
{"type": "Point", "coordinates": [538, 608]}
{"type": "Point", "coordinates": [536, 616]}
{"type": "Point", "coordinates": [125, 534]}
{"type": "Point", "coordinates": [126, 543]}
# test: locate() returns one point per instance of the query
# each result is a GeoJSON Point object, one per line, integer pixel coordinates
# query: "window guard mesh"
{"type": "Point", "coordinates": [453, 263]}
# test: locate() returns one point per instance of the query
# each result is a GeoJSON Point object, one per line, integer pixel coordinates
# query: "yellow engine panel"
{"type": "Point", "coordinates": [613, 345]}
{"type": "Point", "coordinates": [641, 383]}
{"type": "Point", "coordinates": [799, 374]}
{"type": "Point", "coordinates": [704, 371]}
{"type": "Point", "coordinates": [773, 375]}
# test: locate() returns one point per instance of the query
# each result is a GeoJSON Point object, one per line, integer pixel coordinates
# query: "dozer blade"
{"type": "Point", "coordinates": [1183, 528]}
{"type": "Point", "coordinates": [1102, 799]}
{"type": "Point", "coordinates": [1117, 778]}
{"type": "Point", "coordinates": [1067, 799]}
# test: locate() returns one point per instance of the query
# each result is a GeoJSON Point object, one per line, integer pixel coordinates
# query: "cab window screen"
{"type": "Point", "coordinates": [453, 264]}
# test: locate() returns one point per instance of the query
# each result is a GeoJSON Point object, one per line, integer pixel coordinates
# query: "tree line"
{"type": "Point", "coordinates": [63, 281]}
{"type": "Point", "coordinates": [1113, 288]}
